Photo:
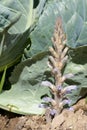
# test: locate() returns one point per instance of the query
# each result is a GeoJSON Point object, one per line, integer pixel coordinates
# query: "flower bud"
{"type": "Point", "coordinates": [65, 102]}
{"type": "Point", "coordinates": [70, 75]}
{"type": "Point", "coordinates": [42, 105]}
{"type": "Point", "coordinates": [71, 109]}
{"type": "Point", "coordinates": [69, 89]}
{"type": "Point", "coordinates": [53, 112]}
{"type": "Point", "coordinates": [46, 83]}
{"type": "Point", "coordinates": [59, 88]}
{"type": "Point", "coordinates": [47, 99]}
{"type": "Point", "coordinates": [67, 76]}
{"type": "Point", "coordinates": [49, 84]}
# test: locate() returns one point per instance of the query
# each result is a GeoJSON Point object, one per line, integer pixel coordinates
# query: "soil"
{"type": "Point", "coordinates": [67, 120]}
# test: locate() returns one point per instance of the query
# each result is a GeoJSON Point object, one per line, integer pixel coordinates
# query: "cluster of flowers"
{"type": "Point", "coordinates": [57, 62]}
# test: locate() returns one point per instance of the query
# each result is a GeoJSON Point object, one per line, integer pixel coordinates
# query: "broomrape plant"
{"type": "Point", "coordinates": [56, 63]}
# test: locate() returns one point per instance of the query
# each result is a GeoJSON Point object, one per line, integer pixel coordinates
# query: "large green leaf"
{"type": "Point", "coordinates": [24, 97]}
{"type": "Point", "coordinates": [74, 15]}
{"type": "Point", "coordinates": [41, 36]}
{"type": "Point", "coordinates": [28, 62]}
{"type": "Point", "coordinates": [16, 45]}
{"type": "Point", "coordinates": [8, 16]}
{"type": "Point", "coordinates": [25, 7]}
{"type": "Point", "coordinates": [16, 38]}
{"type": "Point", "coordinates": [13, 43]}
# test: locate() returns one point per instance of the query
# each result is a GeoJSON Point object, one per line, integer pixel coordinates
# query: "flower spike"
{"type": "Point", "coordinates": [57, 61]}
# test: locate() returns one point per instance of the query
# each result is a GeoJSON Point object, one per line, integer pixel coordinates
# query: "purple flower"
{"type": "Point", "coordinates": [46, 83]}
{"type": "Point", "coordinates": [67, 76]}
{"type": "Point", "coordinates": [59, 88]}
{"type": "Point", "coordinates": [47, 99]}
{"type": "Point", "coordinates": [71, 109]}
{"type": "Point", "coordinates": [53, 112]}
{"type": "Point", "coordinates": [56, 71]}
{"type": "Point", "coordinates": [43, 105]}
{"type": "Point", "coordinates": [70, 88]}
{"type": "Point", "coordinates": [49, 84]}
{"type": "Point", "coordinates": [66, 102]}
